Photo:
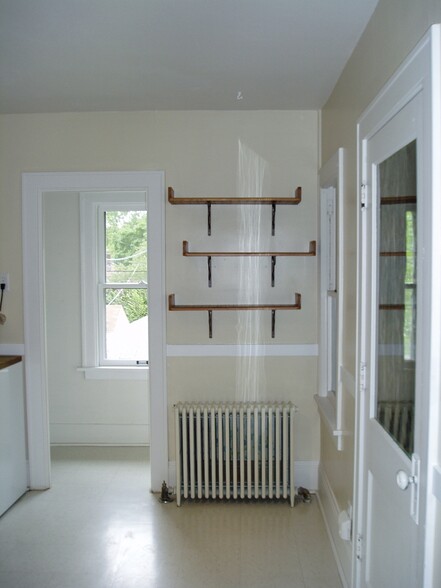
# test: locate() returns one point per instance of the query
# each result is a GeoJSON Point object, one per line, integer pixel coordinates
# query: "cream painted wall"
{"type": "Point", "coordinates": [287, 378]}
{"type": "Point", "coordinates": [80, 410]}
{"type": "Point", "coordinates": [199, 153]}
{"type": "Point", "coordinates": [395, 28]}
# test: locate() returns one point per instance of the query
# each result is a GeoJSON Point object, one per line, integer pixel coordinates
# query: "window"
{"type": "Point", "coordinates": [329, 399]}
{"type": "Point", "coordinates": [114, 282]}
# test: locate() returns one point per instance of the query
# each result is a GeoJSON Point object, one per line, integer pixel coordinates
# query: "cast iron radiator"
{"type": "Point", "coordinates": [235, 451]}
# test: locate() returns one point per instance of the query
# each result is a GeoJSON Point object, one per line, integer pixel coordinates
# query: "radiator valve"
{"type": "Point", "coordinates": [303, 495]}
{"type": "Point", "coordinates": [165, 494]}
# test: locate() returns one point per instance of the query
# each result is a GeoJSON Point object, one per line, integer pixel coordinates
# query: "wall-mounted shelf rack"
{"type": "Point", "coordinates": [392, 307]}
{"type": "Point", "coordinates": [215, 307]}
{"type": "Point", "coordinates": [273, 254]}
{"type": "Point", "coordinates": [386, 200]}
{"type": "Point", "coordinates": [392, 254]}
{"type": "Point", "coordinates": [235, 201]}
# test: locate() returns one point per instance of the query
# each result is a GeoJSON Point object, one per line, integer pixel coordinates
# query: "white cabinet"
{"type": "Point", "coordinates": [13, 466]}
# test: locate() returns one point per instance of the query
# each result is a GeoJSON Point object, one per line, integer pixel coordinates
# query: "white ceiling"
{"type": "Point", "coordinates": [91, 55]}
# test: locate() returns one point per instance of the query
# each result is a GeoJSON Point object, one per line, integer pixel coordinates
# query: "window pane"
{"type": "Point", "coordinates": [126, 324]}
{"type": "Point", "coordinates": [126, 246]}
{"type": "Point", "coordinates": [397, 293]}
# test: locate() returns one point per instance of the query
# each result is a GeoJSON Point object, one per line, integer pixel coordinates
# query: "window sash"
{"type": "Point", "coordinates": [104, 359]}
{"type": "Point", "coordinates": [93, 207]}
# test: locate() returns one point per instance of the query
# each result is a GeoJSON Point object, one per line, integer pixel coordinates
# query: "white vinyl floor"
{"type": "Point", "coordinates": [99, 527]}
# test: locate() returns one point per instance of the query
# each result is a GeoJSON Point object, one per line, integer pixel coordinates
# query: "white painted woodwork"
{"type": "Point", "coordinates": [394, 528]}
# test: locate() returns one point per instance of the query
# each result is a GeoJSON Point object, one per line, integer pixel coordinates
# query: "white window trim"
{"type": "Point", "coordinates": [330, 402]}
{"type": "Point", "coordinates": [92, 205]}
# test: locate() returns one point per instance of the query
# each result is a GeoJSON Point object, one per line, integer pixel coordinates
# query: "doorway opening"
{"type": "Point", "coordinates": [35, 186]}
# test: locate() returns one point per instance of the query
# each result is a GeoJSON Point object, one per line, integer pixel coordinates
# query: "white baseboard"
{"type": "Point", "coordinates": [98, 434]}
{"type": "Point", "coordinates": [330, 511]}
{"type": "Point", "coordinates": [305, 474]}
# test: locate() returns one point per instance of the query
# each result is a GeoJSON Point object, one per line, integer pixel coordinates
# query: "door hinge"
{"type": "Point", "coordinates": [415, 487]}
{"type": "Point", "coordinates": [363, 371]}
{"type": "Point", "coordinates": [359, 547]}
{"type": "Point", "coordinates": [363, 196]}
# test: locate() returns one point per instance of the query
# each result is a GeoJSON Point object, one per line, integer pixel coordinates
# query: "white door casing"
{"type": "Point", "coordinates": [34, 185]}
{"type": "Point", "coordinates": [392, 525]}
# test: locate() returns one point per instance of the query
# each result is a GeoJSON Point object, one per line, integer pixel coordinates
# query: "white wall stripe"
{"type": "Point", "coordinates": [242, 350]}
{"type": "Point", "coordinates": [11, 349]}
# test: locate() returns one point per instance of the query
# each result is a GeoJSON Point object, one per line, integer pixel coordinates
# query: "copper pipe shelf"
{"type": "Point", "coordinates": [239, 200]}
{"type": "Point", "coordinates": [212, 307]}
{"type": "Point", "coordinates": [392, 254]}
{"type": "Point", "coordinates": [310, 253]}
{"type": "Point", "coordinates": [272, 254]}
{"type": "Point", "coordinates": [387, 200]}
{"type": "Point", "coordinates": [184, 307]}
{"type": "Point", "coordinates": [273, 201]}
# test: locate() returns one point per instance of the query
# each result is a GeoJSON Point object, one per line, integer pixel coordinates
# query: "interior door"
{"type": "Point", "coordinates": [392, 357]}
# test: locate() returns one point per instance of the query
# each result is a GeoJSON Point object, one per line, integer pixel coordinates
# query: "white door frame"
{"type": "Point", "coordinates": [34, 185]}
{"type": "Point", "coordinates": [421, 72]}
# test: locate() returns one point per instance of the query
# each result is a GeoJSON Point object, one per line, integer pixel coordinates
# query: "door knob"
{"type": "Point", "coordinates": [403, 480]}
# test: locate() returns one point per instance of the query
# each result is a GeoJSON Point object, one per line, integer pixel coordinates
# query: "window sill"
{"type": "Point", "coordinates": [329, 417]}
{"type": "Point", "coordinates": [115, 373]}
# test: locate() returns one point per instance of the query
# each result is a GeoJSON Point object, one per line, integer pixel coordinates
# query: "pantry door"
{"type": "Point", "coordinates": [394, 326]}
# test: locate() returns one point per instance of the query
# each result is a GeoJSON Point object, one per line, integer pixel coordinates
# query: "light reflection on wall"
{"type": "Point", "coordinates": [250, 369]}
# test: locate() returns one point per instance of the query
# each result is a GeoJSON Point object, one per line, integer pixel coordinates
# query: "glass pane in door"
{"type": "Point", "coordinates": [397, 293]}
